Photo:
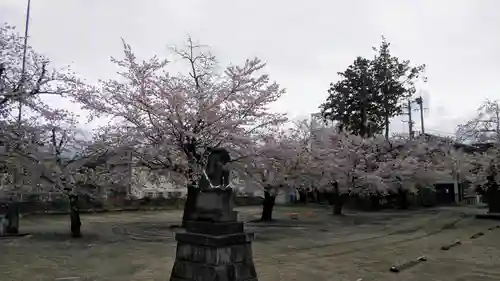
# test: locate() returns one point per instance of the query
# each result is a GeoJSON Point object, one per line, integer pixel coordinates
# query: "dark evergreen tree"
{"type": "Point", "coordinates": [351, 100]}
{"type": "Point", "coordinates": [395, 81]}
{"type": "Point", "coordinates": [371, 92]}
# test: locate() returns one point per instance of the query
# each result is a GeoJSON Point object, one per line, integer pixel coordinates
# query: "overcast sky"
{"type": "Point", "coordinates": [304, 42]}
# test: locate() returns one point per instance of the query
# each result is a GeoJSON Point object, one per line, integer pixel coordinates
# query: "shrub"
{"type": "Point", "coordinates": [33, 198]}
{"type": "Point", "coordinates": [59, 204]}
{"type": "Point", "coordinates": [159, 201]}
{"type": "Point", "coordinates": [427, 196]}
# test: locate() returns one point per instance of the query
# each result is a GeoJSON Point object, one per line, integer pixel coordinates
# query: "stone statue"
{"type": "Point", "coordinates": [216, 171]}
{"type": "Point", "coordinates": [214, 200]}
{"type": "Point", "coordinates": [214, 245]}
{"type": "Point", "coordinates": [215, 175]}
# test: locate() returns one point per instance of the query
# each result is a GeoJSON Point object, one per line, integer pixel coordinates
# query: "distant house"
{"type": "Point", "coordinates": [129, 180]}
{"type": "Point", "coordinates": [110, 160]}
{"type": "Point", "coordinates": [482, 147]}
{"type": "Point", "coordinates": [148, 184]}
{"type": "Point", "coordinates": [462, 191]}
{"type": "Point", "coordinates": [468, 148]}
{"type": "Point", "coordinates": [319, 128]}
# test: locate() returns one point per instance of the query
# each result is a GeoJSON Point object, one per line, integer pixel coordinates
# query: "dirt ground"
{"type": "Point", "coordinates": [317, 246]}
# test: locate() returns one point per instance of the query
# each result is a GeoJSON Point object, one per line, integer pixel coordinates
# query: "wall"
{"type": "Point", "coordinates": [61, 205]}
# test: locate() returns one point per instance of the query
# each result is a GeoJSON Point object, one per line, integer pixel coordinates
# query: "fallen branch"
{"type": "Point", "coordinates": [447, 247]}
{"type": "Point", "coordinates": [399, 267]}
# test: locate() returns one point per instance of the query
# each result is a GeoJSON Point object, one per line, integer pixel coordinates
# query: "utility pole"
{"type": "Point", "coordinates": [420, 103]}
{"type": "Point", "coordinates": [497, 118]}
{"type": "Point", "coordinates": [25, 47]}
{"type": "Point", "coordinates": [23, 69]}
{"type": "Point", "coordinates": [22, 81]}
{"type": "Point", "coordinates": [410, 121]}
{"type": "Point", "coordinates": [2, 69]}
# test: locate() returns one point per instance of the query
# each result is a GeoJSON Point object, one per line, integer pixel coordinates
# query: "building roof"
{"type": "Point", "coordinates": [483, 147]}
{"type": "Point", "coordinates": [469, 148]}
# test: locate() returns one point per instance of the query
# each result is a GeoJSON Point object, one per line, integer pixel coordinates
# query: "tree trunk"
{"type": "Point", "coordinates": [267, 206]}
{"type": "Point", "coordinates": [493, 198]}
{"type": "Point", "coordinates": [375, 200]}
{"type": "Point", "coordinates": [76, 223]}
{"type": "Point", "coordinates": [310, 196]}
{"type": "Point", "coordinates": [322, 197]}
{"type": "Point", "coordinates": [402, 199]}
{"type": "Point", "coordinates": [13, 216]}
{"type": "Point", "coordinates": [363, 130]}
{"type": "Point", "coordinates": [10, 221]}
{"type": "Point", "coordinates": [386, 124]}
{"type": "Point", "coordinates": [190, 204]}
{"type": "Point", "coordinates": [386, 112]}
{"type": "Point", "coordinates": [303, 196]}
{"type": "Point", "coordinates": [337, 200]}
{"type": "Point", "coordinates": [337, 207]}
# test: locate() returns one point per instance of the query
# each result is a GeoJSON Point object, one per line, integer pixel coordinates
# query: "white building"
{"type": "Point", "coordinates": [148, 184]}
{"type": "Point", "coordinates": [317, 121]}
{"type": "Point", "coordinates": [319, 128]}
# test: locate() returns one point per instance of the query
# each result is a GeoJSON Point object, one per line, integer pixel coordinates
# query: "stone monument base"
{"type": "Point", "coordinates": [214, 251]}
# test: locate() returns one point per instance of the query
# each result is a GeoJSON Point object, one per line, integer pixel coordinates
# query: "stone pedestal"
{"type": "Point", "coordinates": [215, 246]}
{"type": "Point", "coordinates": [215, 205]}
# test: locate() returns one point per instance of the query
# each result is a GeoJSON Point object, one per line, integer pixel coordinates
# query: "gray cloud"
{"type": "Point", "coordinates": [304, 42]}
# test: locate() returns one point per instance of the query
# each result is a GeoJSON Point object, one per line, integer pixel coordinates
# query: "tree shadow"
{"type": "Point", "coordinates": [65, 237]}
{"type": "Point", "coordinates": [283, 223]}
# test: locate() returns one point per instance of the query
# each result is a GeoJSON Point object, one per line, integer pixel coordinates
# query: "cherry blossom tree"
{"type": "Point", "coordinates": [61, 174]}
{"type": "Point", "coordinates": [280, 164]}
{"type": "Point", "coordinates": [176, 118]}
{"type": "Point", "coordinates": [44, 160]}
{"type": "Point", "coordinates": [408, 166]}
{"type": "Point", "coordinates": [375, 168]}
{"type": "Point", "coordinates": [484, 127]}
{"type": "Point", "coordinates": [346, 165]}
{"type": "Point", "coordinates": [421, 162]}
{"type": "Point", "coordinates": [38, 164]}
{"type": "Point", "coordinates": [87, 173]}
{"type": "Point", "coordinates": [17, 148]}
{"type": "Point", "coordinates": [263, 174]}
{"type": "Point", "coordinates": [24, 79]}
{"type": "Point", "coordinates": [485, 177]}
